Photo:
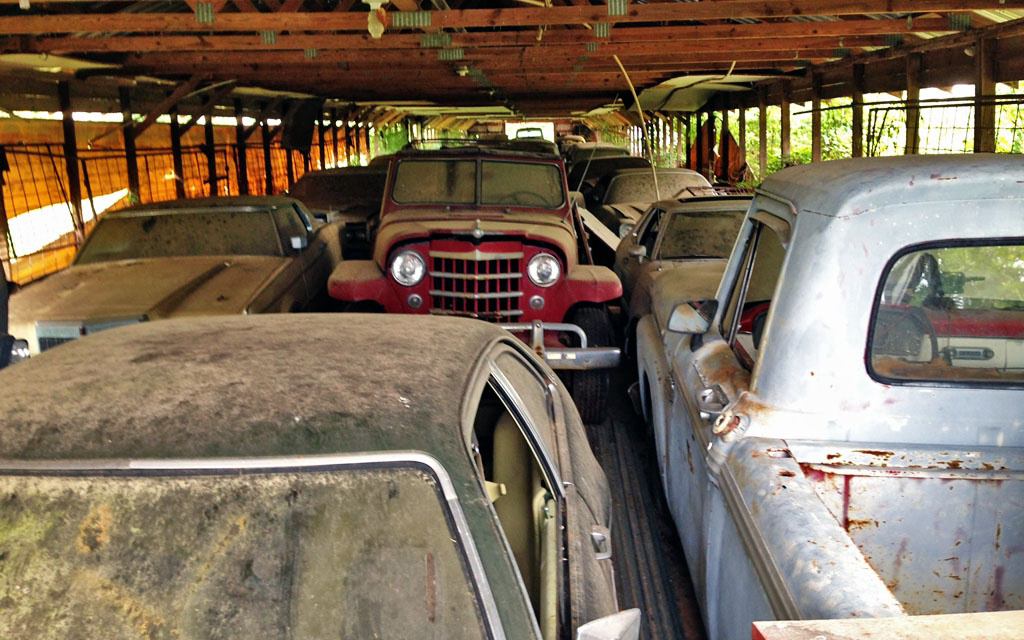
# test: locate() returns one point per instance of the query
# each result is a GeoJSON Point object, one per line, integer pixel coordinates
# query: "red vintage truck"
{"type": "Point", "coordinates": [491, 233]}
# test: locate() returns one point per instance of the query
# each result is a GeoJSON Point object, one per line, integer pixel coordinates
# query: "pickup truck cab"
{"type": "Point", "coordinates": [491, 233]}
{"type": "Point", "coordinates": [839, 429]}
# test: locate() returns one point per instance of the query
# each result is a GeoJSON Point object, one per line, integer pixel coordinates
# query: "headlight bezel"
{"type": "Point", "coordinates": [405, 257]}
{"type": "Point", "coordinates": [537, 262]}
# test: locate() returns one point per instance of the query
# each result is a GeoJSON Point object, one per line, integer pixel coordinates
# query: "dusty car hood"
{"type": "Point", "coordinates": [545, 227]}
{"type": "Point", "coordinates": [157, 287]}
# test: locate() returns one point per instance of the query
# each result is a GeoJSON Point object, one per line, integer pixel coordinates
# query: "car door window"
{"type": "Point", "coordinates": [513, 435]}
{"type": "Point", "coordinates": [649, 235]}
{"type": "Point", "coordinates": [752, 289]}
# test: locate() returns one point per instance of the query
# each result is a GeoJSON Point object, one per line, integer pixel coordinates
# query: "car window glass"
{"type": "Point", "coordinates": [752, 289]}
{"type": "Point", "coordinates": [951, 314]}
{"type": "Point", "coordinates": [700, 234]}
{"type": "Point", "coordinates": [440, 181]}
{"type": "Point", "coordinates": [521, 184]}
{"type": "Point", "coordinates": [351, 552]}
{"type": "Point", "coordinates": [289, 225]}
{"type": "Point", "coordinates": [160, 234]}
{"type": "Point", "coordinates": [532, 391]}
{"type": "Point", "coordinates": [649, 236]}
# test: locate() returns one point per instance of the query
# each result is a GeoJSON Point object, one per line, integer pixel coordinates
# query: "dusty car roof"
{"type": "Point", "coordinates": [850, 187]}
{"type": "Point", "coordinates": [248, 386]}
{"type": "Point", "coordinates": [211, 203]}
{"type": "Point", "coordinates": [477, 150]}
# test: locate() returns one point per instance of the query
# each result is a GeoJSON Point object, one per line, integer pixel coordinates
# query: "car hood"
{"type": "Point", "coordinates": [155, 287]}
{"type": "Point", "coordinates": [399, 226]}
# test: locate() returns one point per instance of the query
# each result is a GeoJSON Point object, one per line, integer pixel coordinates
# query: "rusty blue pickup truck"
{"type": "Point", "coordinates": [839, 420]}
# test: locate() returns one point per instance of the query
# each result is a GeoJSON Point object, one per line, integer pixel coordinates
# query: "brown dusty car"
{"type": "Point", "coordinates": [491, 233]}
{"type": "Point", "coordinates": [207, 256]}
{"type": "Point", "coordinates": [232, 477]}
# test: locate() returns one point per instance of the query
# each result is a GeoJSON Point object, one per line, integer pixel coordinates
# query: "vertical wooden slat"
{"type": "Point", "coordinates": [211, 150]}
{"type": "Point", "coordinates": [320, 139]}
{"type": "Point", "coordinates": [128, 136]}
{"type": "Point", "coordinates": [913, 103]}
{"type": "Point", "coordinates": [179, 166]}
{"type": "Point", "coordinates": [268, 169]}
{"type": "Point", "coordinates": [857, 145]}
{"type": "Point", "coordinates": [334, 135]}
{"type": "Point", "coordinates": [688, 121]}
{"type": "Point", "coordinates": [784, 131]}
{"type": "Point", "coordinates": [815, 117]}
{"type": "Point", "coordinates": [762, 131]}
{"type": "Point", "coordinates": [984, 89]}
{"type": "Point", "coordinates": [723, 141]}
{"type": "Point", "coordinates": [241, 161]}
{"type": "Point", "coordinates": [699, 159]}
{"type": "Point", "coordinates": [71, 158]}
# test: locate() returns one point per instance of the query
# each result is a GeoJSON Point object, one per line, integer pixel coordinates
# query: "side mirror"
{"type": "Point", "coordinates": [626, 228]}
{"type": "Point", "coordinates": [299, 242]}
{"type": "Point", "coordinates": [686, 319]}
{"type": "Point", "coordinates": [624, 625]}
{"type": "Point", "coordinates": [638, 251]}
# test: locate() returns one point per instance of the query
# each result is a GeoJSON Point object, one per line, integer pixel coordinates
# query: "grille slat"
{"type": "Point", "coordinates": [479, 285]}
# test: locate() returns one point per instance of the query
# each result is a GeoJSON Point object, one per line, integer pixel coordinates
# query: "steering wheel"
{"type": "Point", "coordinates": [524, 197]}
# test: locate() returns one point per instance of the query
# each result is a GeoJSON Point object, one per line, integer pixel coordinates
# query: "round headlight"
{"type": "Point", "coordinates": [408, 268]}
{"type": "Point", "coordinates": [544, 269]}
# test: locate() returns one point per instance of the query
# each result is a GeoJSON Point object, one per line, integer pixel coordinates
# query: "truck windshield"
{"type": "Point", "coordinates": [480, 182]}
{"type": "Point", "coordinates": [360, 552]}
{"type": "Point", "coordinates": [951, 314]}
{"type": "Point", "coordinates": [163, 234]}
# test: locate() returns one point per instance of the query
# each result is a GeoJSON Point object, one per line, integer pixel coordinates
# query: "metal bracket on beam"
{"type": "Point", "coordinates": [268, 37]}
{"type": "Point", "coordinates": [204, 12]}
{"type": "Point", "coordinates": [450, 55]}
{"type": "Point", "coordinates": [433, 40]}
{"type": "Point", "coordinates": [960, 21]}
{"type": "Point", "coordinates": [617, 7]}
{"type": "Point", "coordinates": [602, 30]}
{"type": "Point", "coordinates": [409, 19]}
{"type": "Point", "coordinates": [592, 46]}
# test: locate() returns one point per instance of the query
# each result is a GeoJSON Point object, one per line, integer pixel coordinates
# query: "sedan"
{"type": "Point", "coordinates": [692, 234]}
{"type": "Point", "coordinates": [207, 256]}
{"type": "Point", "coordinates": [301, 476]}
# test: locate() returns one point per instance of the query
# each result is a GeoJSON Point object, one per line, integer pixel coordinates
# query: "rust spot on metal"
{"type": "Point", "coordinates": [876, 452]}
{"type": "Point", "coordinates": [833, 456]}
{"type": "Point", "coordinates": [787, 474]}
{"type": "Point", "coordinates": [94, 533]}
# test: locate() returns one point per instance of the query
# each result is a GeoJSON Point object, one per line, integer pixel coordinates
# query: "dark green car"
{"type": "Point", "coordinates": [313, 476]}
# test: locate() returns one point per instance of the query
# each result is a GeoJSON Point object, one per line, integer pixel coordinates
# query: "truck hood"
{"type": "Point", "coordinates": [155, 287]}
{"type": "Point", "coordinates": [549, 228]}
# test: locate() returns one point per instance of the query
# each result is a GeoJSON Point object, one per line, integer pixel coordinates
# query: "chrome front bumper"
{"type": "Point", "coordinates": [571, 358]}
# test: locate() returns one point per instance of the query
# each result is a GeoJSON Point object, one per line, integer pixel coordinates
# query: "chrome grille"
{"type": "Point", "coordinates": [477, 284]}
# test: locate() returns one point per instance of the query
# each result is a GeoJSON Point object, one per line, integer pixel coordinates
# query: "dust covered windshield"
{"type": "Point", "coordinates": [701, 234]}
{"type": "Point", "coordinates": [486, 182]}
{"type": "Point", "coordinates": [358, 552]}
{"type": "Point", "coordinates": [162, 234]}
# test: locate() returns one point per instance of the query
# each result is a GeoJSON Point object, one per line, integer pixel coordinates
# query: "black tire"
{"type": "Point", "coordinates": [589, 389]}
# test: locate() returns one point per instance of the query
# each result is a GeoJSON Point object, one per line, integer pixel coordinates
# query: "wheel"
{"type": "Point", "coordinates": [589, 389]}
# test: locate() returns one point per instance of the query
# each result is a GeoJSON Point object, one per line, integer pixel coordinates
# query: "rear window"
{"type": "Point", "coordinates": [951, 314]}
{"type": "Point", "coordinates": [360, 552]}
{"type": "Point", "coordinates": [700, 234]}
{"type": "Point", "coordinates": [162, 234]}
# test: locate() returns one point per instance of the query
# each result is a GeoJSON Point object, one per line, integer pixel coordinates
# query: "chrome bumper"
{"type": "Point", "coordinates": [572, 358]}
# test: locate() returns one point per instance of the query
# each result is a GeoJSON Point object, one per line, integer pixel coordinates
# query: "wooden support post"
{"type": "Point", "coordinates": [320, 139]}
{"type": "Point", "coordinates": [348, 141]}
{"type": "Point", "coordinates": [680, 143]}
{"type": "Point", "coordinates": [359, 143]}
{"type": "Point", "coordinates": [369, 149]}
{"type": "Point", "coordinates": [131, 155]}
{"type": "Point", "coordinates": [334, 136]}
{"type": "Point", "coordinates": [71, 158]}
{"type": "Point", "coordinates": [784, 146]}
{"type": "Point", "coordinates": [762, 131]}
{"type": "Point", "coordinates": [179, 166]}
{"type": "Point", "coordinates": [857, 145]}
{"type": "Point", "coordinates": [6, 249]}
{"type": "Point", "coordinates": [687, 120]}
{"type": "Point", "coordinates": [268, 169]}
{"type": "Point", "coordinates": [699, 159]}
{"type": "Point", "coordinates": [241, 161]}
{"type": "Point", "coordinates": [723, 141]}
{"type": "Point", "coordinates": [913, 104]}
{"type": "Point", "coordinates": [815, 117]}
{"type": "Point", "coordinates": [984, 90]}
{"type": "Point", "coordinates": [742, 114]}
{"type": "Point", "coordinates": [210, 150]}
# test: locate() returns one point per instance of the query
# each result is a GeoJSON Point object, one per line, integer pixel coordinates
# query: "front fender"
{"type": "Point", "coordinates": [360, 280]}
{"type": "Point", "coordinates": [591, 283]}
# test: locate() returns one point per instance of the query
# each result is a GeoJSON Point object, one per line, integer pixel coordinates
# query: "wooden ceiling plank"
{"type": "Point", "coordinates": [182, 90]}
{"type": "Point", "coordinates": [526, 16]}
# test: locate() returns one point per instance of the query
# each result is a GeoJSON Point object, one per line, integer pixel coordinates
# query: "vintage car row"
{"type": "Point", "coordinates": [234, 477]}
{"type": "Point", "coordinates": [491, 232]}
{"type": "Point", "coordinates": [837, 418]}
{"type": "Point", "coordinates": [205, 256]}
{"type": "Point", "coordinates": [620, 198]}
